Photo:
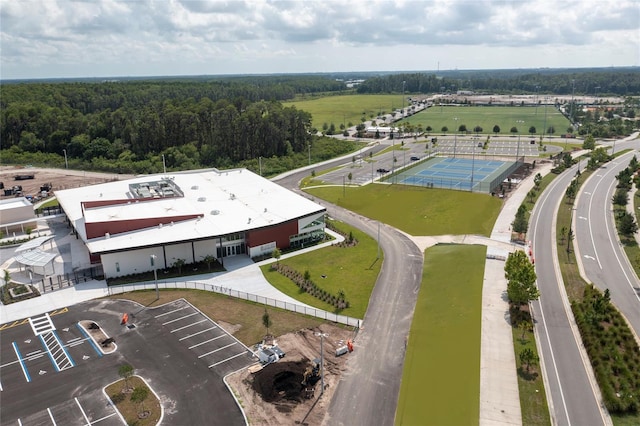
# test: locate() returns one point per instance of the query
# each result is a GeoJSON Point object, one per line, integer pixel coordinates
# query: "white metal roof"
{"type": "Point", "coordinates": [12, 203]}
{"type": "Point", "coordinates": [35, 257]}
{"type": "Point", "coordinates": [34, 243]}
{"type": "Point", "coordinates": [226, 202]}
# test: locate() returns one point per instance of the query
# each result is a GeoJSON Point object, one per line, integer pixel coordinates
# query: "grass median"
{"type": "Point", "coordinates": [441, 377]}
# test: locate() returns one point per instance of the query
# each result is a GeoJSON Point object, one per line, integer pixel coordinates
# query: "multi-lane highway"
{"type": "Point", "coordinates": [604, 261]}
{"type": "Point", "coordinates": [571, 389]}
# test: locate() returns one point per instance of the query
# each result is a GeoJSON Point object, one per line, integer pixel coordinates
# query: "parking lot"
{"type": "Point", "coordinates": [53, 373]}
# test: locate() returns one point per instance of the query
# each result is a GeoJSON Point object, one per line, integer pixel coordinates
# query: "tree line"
{"type": "Point", "coordinates": [193, 124]}
{"type": "Point", "coordinates": [615, 81]}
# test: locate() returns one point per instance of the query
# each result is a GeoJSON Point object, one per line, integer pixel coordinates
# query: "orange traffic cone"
{"type": "Point", "coordinates": [125, 318]}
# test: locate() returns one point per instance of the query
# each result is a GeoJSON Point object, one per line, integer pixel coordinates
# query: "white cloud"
{"type": "Point", "coordinates": [57, 38]}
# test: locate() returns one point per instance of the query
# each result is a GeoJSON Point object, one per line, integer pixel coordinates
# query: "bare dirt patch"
{"type": "Point", "coordinates": [275, 395]}
{"type": "Point", "coordinates": [58, 178]}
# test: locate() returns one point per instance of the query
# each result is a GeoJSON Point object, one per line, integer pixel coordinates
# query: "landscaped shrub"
{"type": "Point", "coordinates": [308, 286]}
{"type": "Point", "coordinates": [613, 351]}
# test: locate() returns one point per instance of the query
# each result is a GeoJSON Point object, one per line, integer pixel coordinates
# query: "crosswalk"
{"type": "Point", "coordinates": [58, 354]}
{"type": "Point", "coordinates": [41, 324]}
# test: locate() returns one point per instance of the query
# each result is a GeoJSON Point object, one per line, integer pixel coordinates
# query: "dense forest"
{"type": "Point", "coordinates": [133, 125]}
{"type": "Point", "coordinates": [615, 81]}
{"type": "Point", "coordinates": [193, 124]}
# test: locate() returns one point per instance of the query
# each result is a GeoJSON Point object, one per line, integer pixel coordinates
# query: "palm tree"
{"type": "Point", "coordinates": [125, 371]}
{"type": "Point", "coordinates": [139, 395]}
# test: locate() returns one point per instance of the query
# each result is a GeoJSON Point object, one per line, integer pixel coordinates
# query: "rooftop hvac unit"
{"type": "Point", "coordinates": [202, 198]}
{"type": "Point", "coordinates": [215, 212]}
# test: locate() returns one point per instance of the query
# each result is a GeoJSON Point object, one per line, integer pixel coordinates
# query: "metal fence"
{"type": "Point", "coordinates": [293, 307]}
{"type": "Point", "coordinates": [57, 282]}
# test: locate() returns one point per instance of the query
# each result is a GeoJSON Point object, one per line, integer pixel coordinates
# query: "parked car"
{"type": "Point", "coordinates": [414, 158]}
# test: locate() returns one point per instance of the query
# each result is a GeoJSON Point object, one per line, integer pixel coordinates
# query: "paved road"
{"type": "Point", "coordinates": [368, 392]}
{"type": "Point", "coordinates": [603, 258]}
{"type": "Point", "coordinates": [570, 385]}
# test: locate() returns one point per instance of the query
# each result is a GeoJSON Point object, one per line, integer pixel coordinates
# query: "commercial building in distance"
{"type": "Point", "coordinates": [188, 215]}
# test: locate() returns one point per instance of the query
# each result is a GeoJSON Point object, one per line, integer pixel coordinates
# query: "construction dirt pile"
{"type": "Point", "coordinates": [288, 391]}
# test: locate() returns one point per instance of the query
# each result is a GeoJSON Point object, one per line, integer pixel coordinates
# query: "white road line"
{"type": "Point", "coordinates": [75, 344]}
{"type": "Point", "coordinates": [19, 422]}
{"type": "Point", "coordinates": [73, 340]}
{"type": "Point", "coordinates": [181, 318]}
{"type": "Point", "coordinates": [1, 387]}
{"type": "Point", "coordinates": [103, 418]}
{"type": "Point", "coordinates": [195, 334]}
{"type": "Point", "coordinates": [32, 353]}
{"type": "Point", "coordinates": [228, 359]}
{"type": "Point", "coordinates": [24, 369]}
{"type": "Point", "coordinates": [216, 350]}
{"type": "Point", "coordinates": [31, 358]}
{"type": "Point", "coordinates": [51, 415]}
{"type": "Point", "coordinates": [170, 312]}
{"type": "Point", "coordinates": [207, 341]}
{"type": "Point", "coordinates": [82, 411]}
{"type": "Point", "coordinates": [190, 325]}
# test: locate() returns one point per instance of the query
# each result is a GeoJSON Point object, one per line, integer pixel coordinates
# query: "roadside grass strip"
{"type": "Point", "coordinates": [441, 377]}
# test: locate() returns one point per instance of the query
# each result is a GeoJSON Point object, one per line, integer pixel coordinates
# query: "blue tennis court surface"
{"type": "Point", "coordinates": [457, 173]}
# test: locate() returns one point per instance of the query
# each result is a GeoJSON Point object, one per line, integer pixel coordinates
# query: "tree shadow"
{"type": "Point", "coordinates": [530, 375]}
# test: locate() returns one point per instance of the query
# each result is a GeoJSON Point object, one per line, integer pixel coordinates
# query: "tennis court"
{"type": "Point", "coordinates": [466, 174]}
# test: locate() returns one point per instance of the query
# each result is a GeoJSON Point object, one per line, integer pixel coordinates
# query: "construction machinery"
{"type": "Point", "coordinates": [311, 377]}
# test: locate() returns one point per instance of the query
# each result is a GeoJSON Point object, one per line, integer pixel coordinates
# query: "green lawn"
{"type": "Point", "coordinates": [441, 377]}
{"type": "Point", "coordinates": [418, 211]}
{"type": "Point", "coordinates": [348, 108]}
{"type": "Point", "coordinates": [487, 117]}
{"type": "Point", "coordinates": [351, 269]}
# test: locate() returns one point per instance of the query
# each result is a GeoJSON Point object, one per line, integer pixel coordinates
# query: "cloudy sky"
{"type": "Point", "coordinates": [102, 38]}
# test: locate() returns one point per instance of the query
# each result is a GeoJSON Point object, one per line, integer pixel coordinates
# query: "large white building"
{"type": "Point", "coordinates": [187, 215]}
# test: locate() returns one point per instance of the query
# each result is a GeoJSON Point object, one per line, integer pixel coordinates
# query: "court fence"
{"type": "Point", "coordinates": [487, 186]}
{"type": "Point", "coordinates": [193, 285]}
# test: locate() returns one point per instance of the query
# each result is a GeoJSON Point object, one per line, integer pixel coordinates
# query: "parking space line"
{"type": "Point", "coordinates": [1, 387]}
{"type": "Point", "coordinates": [195, 334]}
{"type": "Point", "coordinates": [104, 418]}
{"type": "Point", "coordinates": [228, 359]}
{"type": "Point", "coordinates": [219, 349]}
{"type": "Point", "coordinates": [190, 325]}
{"type": "Point", "coordinates": [93, 344]}
{"type": "Point", "coordinates": [170, 312]}
{"type": "Point", "coordinates": [82, 411]}
{"type": "Point", "coordinates": [207, 341]}
{"type": "Point", "coordinates": [51, 415]}
{"type": "Point", "coordinates": [24, 367]}
{"type": "Point", "coordinates": [181, 318]}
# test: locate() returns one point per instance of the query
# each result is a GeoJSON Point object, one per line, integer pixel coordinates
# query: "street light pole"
{"type": "Point", "coordinates": [455, 137]}
{"type": "Point", "coordinates": [322, 336]}
{"type": "Point", "coordinates": [403, 82]}
{"type": "Point", "coordinates": [473, 161]}
{"type": "Point", "coordinates": [518, 147]}
{"type": "Point", "coordinates": [309, 147]}
{"type": "Point", "coordinates": [66, 163]}
{"type": "Point", "coordinates": [155, 274]}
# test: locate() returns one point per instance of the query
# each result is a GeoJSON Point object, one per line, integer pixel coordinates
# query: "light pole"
{"type": "Point", "coordinates": [164, 165]}
{"type": "Point", "coordinates": [403, 82]}
{"type": "Point", "coordinates": [260, 165]}
{"type": "Point", "coordinates": [66, 163]}
{"type": "Point", "coordinates": [519, 122]}
{"type": "Point", "coordinates": [309, 147]}
{"type": "Point", "coordinates": [322, 336]}
{"type": "Point", "coordinates": [473, 163]}
{"type": "Point", "coordinates": [455, 137]}
{"type": "Point", "coordinates": [153, 258]}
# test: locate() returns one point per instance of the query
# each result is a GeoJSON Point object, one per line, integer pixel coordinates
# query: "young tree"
{"type": "Point", "coordinates": [620, 197]}
{"type": "Point", "coordinates": [179, 263]}
{"type": "Point", "coordinates": [208, 259]}
{"type": "Point", "coordinates": [266, 320]}
{"type": "Point", "coordinates": [444, 129]}
{"type": "Point", "coordinates": [563, 234]}
{"type": "Point", "coordinates": [532, 130]}
{"type": "Point", "coordinates": [138, 396]}
{"type": "Point", "coordinates": [521, 278]}
{"type": "Point", "coordinates": [125, 371]}
{"type": "Point", "coordinates": [496, 129]}
{"type": "Point", "coordinates": [520, 224]}
{"type": "Point", "coordinates": [528, 358]}
{"type": "Point", "coordinates": [627, 224]}
{"type": "Point", "coordinates": [276, 255]}
{"type": "Point", "coordinates": [531, 194]}
{"type": "Point", "coordinates": [589, 143]}
{"type": "Point", "coordinates": [349, 176]}
{"type": "Point", "coordinates": [536, 180]}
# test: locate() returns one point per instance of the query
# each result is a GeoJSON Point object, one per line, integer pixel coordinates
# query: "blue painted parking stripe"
{"type": "Point", "coordinates": [93, 344]}
{"type": "Point", "coordinates": [53, 361]}
{"type": "Point", "coordinates": [24, 367]}
{"type": "Point", "coordinates": [55, 334]}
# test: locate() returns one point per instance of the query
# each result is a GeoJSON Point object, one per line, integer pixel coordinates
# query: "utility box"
{"type": "Point", "coordinates": [342, 350]}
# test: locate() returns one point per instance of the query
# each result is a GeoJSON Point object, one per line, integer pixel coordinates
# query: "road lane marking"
{"type": "Point", "coordinates": [216, 350]}
{"type": "Point", "coordinates": [195, 334]}
{"type": "Point", "coordinates": [181, 318]}
{"type": "Point", "coordinates": [51, 415]}
{"type": "Point", "coordinates": [24, 367]}
{"type": "Point", "coordinates": [228, 359]}
{"type": "Point", "coordinates": [170, 312]}
{"type": "Point", "coordinates": [190, 325]}
{"type": "Point", "coordinates": [207, 341]}
{"type": "Point", "coordinates": [82, 411]}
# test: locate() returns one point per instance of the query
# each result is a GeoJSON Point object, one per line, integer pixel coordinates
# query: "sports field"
{"type": "Point", "coordinates": [457, 173]}
{"type": "Point", "coordinates": [486, 117]}
{"type": "Point", "coordinates": [347, 108]}
{"type": "Point", "coordinates": [441, 377]}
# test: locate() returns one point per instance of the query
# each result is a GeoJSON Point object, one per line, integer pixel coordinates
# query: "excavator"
{"type": "Point", "coordinates": [311, 377]}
